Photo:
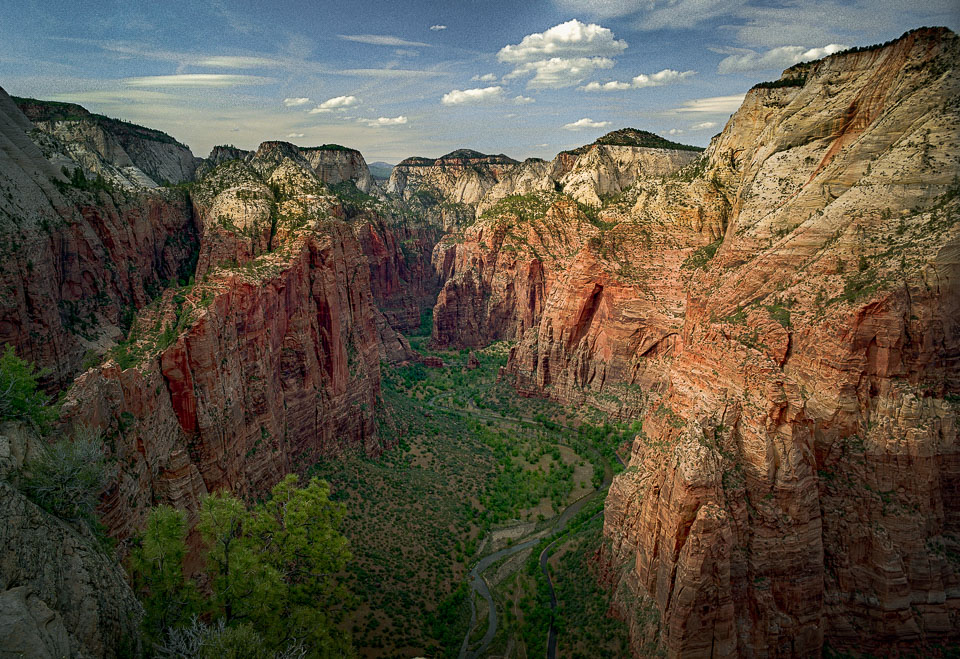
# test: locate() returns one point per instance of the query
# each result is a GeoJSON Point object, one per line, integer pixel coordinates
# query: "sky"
{"type": "Point", "coordinates": [402, 78]}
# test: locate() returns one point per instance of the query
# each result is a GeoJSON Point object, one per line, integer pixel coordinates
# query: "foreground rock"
{"type": "Point", "coordinates": [60, 593]}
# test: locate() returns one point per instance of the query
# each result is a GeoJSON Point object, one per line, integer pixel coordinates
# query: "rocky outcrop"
{"type": "Point", "coordinates": [76, 256]}
{"type": "Point", "coordinates": [796, 484]}
{"type": "Point", "coordinates": [267, 363]}
{"type": "Point", "coordinates": [599, 170]}
{"type": "Point", "coordinates": [128, 154]}
{"type": "Point", "coordinates": [334, 164]}
{"type": "Point", "coordinates": [60, 594]}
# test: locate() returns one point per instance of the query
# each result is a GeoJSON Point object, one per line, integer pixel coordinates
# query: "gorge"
{"type": "Point", "coordinates": [713, 393]}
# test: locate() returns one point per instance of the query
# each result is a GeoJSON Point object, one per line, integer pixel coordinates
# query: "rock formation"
{"type": "Point", "coordinates": [78, 255]}
{"type": "Point", "coordinates": [796, 483]}
{"type": "Point", "coordinates": [267, 362]}
{"type": "Point", "coordinates": [60, 594]}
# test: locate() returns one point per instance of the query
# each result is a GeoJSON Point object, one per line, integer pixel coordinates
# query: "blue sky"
{"type": "Point", "coordinates": [396, 79]}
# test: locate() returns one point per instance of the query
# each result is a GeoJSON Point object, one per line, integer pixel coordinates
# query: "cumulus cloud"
{"type": "Point", "coordinates": [295, 102]}
{"type": "Point", "coordinates": [674, 131]}
{"type": "Point", "coordinates": [704, 125]}
{"type": "Point", "coordinates": [294, 134]}
{"type": "Point", "coordinates": [523, 100]}
{"type": "Point", "coordinates": [385, 121]}
{"type": "Point", "coordinates": [776, 58]}
{"type": "Point", "coordinates": [486, 77]}
{"type": "Point", "coordinates": [558, 72]}
{"type": "Point", "coordinates": [570, 39]}
{"type": "Point", "coordinates": [473, 96]}
{"type": "Point", "coordinates": [437, 28]}
{"type": "Point", "coordinates": [713, 105]}
{"type": "Point", "coordinates": [586, 123]}
{"type": "Point", "coordinates": [665, 77]}
{"type": "Point", "coordinates": [196, 80]}
{"type": "Point", "coordinates": [563, 55]}
{"type": "Point", "coordinates": [382, 40]}
{"type": "Point", "coordinates": [335, 103]}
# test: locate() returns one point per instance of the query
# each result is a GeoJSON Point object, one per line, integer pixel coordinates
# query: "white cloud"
{"type": "Point", "coordinates": [384, 121]}
{"type": "Point", "coordinates": [196, 80]}
{"type": "Point", "coordinates": [237, 62]}
{"type": "Point", "coordinates": [586, 123]}
{"type": "Point", "coordinates": [335, 103]}
{"type": "Point", "coordinates": [486, 77]}
{"type": "Point", "coordinates": [665, 77]}
{"type": "Point", "coordinates": [704, 125]}
{"type": "Point", "coordinates": [563, 55]}
{"type": "Point", "coordinates": [570, 39]}
{"type": "Point", "coordinates": [523, 100]}
{"type": "Point", "coordinates": [295, 102]}
{"type": "Point", "coordinates": [611, 86]}
{"type": "Point", "coordinates": [559, 72]}
{"type": "Point", "coordinates": [674, 131]}
{"type": "Point", "coordinates": [473, 96]}
{"type": "Point", "coordinates": [382, 40]}
{"type": "Point", "coordinates": [403, 52]}
{"type": "Point", "coordinates": [437, 28]}
{"type": "Point", "coordinates": [775, 58]}
{"type": "Point", "coordinates": [713, 104]}
{"type": "Point", "coordinates": [294, 134]}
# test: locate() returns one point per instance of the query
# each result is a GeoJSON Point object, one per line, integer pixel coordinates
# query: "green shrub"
{"type": "Point", "coordinates": [20, 396]}
{"type": "Point", "coordinates": [66, 477]}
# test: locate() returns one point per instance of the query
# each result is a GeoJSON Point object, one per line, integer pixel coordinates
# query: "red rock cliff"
{"type": "Point", "coordinates": [797, 485]}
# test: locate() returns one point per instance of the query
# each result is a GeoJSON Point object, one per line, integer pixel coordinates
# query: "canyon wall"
{"type": "Point", "coordinates": [796, 486]}
{"type": "Point", "coordinates": [268, 362]}
{"type": "Point", "coordinates": [77, 256]}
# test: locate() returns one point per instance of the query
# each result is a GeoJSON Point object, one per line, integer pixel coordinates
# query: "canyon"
{"type": "Point", "coordinates": [781, 311]}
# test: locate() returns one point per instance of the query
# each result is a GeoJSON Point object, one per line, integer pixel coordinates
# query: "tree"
{"type": "Point", "coordinates": [66, 477]}
{"type": "Point", "coordinates": [156, 565]}
{"type": "Point", "coordinates": [273, 567]}
{"type": "Point", "coordinates": [20, 396]}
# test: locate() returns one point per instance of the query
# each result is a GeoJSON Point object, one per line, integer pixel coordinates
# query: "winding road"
{"type": "Point", "coordinates": [478, 584]}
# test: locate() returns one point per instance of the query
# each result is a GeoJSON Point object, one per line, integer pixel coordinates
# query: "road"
{"type": "Point", "coordinates": [478, 584]}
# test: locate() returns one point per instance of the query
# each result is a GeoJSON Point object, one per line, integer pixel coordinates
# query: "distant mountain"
{"type": "Point", "coordinates": [380, 169]}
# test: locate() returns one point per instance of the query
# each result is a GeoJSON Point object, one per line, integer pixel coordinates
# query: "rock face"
{"type": "Point", "coordinates": [604, 168]}
{"type": "Point", "coordinates": [269, 362]}
{"type": "Point", "coordinates": [75, 257]}
{"type": "Point", "coordinates": [102, 144]}
{"type": "Point", "coordinates": [334, 164]}
{"type": "Point", "coordinates": [60, 595]}
{"type": "Point", "coordinates": [797, 483]}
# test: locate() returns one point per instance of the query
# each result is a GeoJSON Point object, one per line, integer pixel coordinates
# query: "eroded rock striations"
{"type": "Point", "coordinates": [80, 254]}
{"type": "Point", "coordinates": [797, 483]}
{"type": "Point", "coordinates": [268, 362]}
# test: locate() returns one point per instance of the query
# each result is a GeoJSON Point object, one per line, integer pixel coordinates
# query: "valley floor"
{"type": "Point", "coordinates": [477, 470]}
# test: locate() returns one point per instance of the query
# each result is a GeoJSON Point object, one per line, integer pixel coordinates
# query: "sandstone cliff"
{"type": "Point", "coordinates": [268, 362]}
{"type": "Point", "coordinates": [796, 484]}
{"type": "Point", "coordinates": [602, 169]}
{"type": "Point", "coordinates": [143, 156]}
{"type": "Point", "coordinates": [78, 255]}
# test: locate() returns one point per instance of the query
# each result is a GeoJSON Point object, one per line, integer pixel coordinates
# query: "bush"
{"type": "Point", "coordinates": [217, 641]}
{"type": "Point", "coordinates": [66, 478]}
{"type": "Point", "coordinates": [20, 396]}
